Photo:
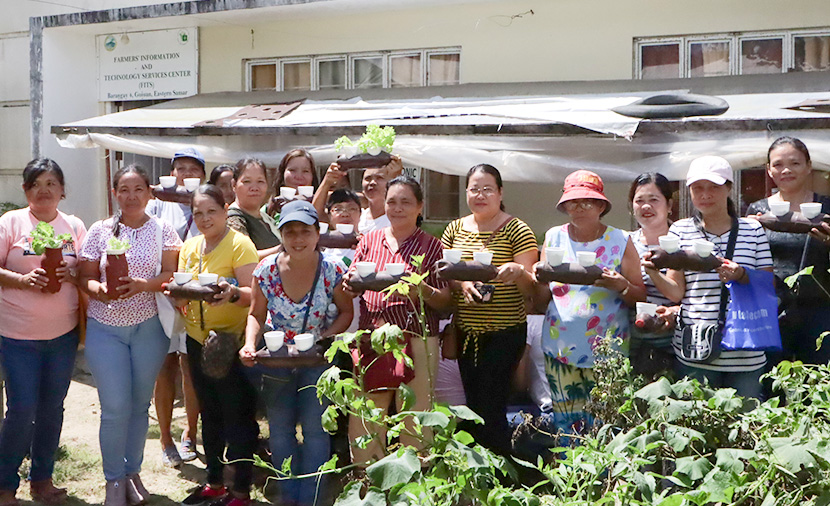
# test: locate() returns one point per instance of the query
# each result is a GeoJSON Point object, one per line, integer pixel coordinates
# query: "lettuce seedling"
{"type": "Point", "coordinates": [375, 140]}
{"type": "Point", "coordinates": [117, 244]}
{"type": "Point", "coordinates": [43, 236]}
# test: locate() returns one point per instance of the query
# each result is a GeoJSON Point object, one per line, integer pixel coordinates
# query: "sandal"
{"type": "Point", "coordinates": [45, 492]}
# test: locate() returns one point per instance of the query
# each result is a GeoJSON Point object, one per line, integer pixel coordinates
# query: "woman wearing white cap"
{"type": "Point", "coordinates": [710, 181]}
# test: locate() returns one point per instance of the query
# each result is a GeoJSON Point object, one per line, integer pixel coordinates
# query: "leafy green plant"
{"type": "Point", "coordinates": [43, 236]}
{"type": "Point", "coordinates": [116, 244]}
{"type": "Point", "coordinates": [375, 140]}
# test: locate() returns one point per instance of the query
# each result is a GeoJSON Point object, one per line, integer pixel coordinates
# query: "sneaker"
{"type": "Point", "coordinates": [170, 457]}
{"type": "Point", "coordinates": [187, 450]}
{"type": "Point", "coordinates": [231, 500]}
{"type": "Point", "coordinates": [204, 495]}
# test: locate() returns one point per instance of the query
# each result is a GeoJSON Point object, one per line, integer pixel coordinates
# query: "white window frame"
{"type": "Point", "coordinates": [734, 39]}
{"type": "Point", "coordinates": [315, 81]}
{"type": "Point", "coordinates": [349, 58]}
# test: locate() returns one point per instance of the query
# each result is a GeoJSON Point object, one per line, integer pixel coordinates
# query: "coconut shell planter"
{"type": "Point", "coordinates": [684, 260]}
{"type": "Point", "coordinates": [792, 222]}
{"type": "Point", "coordinates": [334, 239]}
{"type": "Point", "coordinates": [465, 271]}
{"type": "Point", "coordinates": [175, 194]}
{"type": "Point", "coordinates": [193, 291]}
{"type": "Point", "coordinates": [568, 273]}
{"type": "Point", "coordinates": [364, 161]}
{"type": "Point", "coordinates": [374, 282]}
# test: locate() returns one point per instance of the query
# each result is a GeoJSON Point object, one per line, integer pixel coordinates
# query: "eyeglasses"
{"type": "Point", "coordinates": [582, 204]}
{"type": "Point", "coordinates": [344, 209]}
{"type": "Point", "coordinates": [486, 191]}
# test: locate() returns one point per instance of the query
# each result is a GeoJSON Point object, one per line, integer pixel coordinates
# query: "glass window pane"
{"type": "Point", "coordinates": [264, 77]}
{"type": "Point", "coordinates": [762, 56]}
{"type": "Point", "coordinates": [331, 74]}
{"type": "Point", "coordinates": [812, 53]}
{"type": "Point", "coordinates": [709, 59]}
{"type": "Point", "coordinates": [405, 71]}
{"type": "Point", "coordinates": [443, 69]}
{"type": "Point", "coordinates": [368, 72]}
{"type": "Point", "coordinates": [442, 196]}
{"type": "Point", "coordinates": [296, 76]}
{"type": "Point", "coordinates": [660, 62]}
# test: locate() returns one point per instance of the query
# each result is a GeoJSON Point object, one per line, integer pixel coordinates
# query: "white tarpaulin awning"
{"type": "Point", "coordinates": [529, 138]}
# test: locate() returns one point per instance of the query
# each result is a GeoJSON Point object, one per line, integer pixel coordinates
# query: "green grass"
{"type": "Point", "coordinates": [71, 464]}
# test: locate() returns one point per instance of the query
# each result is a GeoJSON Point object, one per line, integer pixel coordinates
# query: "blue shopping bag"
{"type": "Point", "coordinates": [752, 317]}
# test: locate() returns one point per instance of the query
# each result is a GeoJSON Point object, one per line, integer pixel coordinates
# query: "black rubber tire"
{"type": "Point", "coordinates": [674, 105]}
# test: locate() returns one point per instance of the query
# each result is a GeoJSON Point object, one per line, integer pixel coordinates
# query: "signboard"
{"type": "Point", "coordinates": [151, 65]}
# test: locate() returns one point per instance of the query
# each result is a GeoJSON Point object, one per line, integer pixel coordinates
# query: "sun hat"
{"type": "Point", "coordinates": [583, 184]}
{"type": "Point", "coordinates": [189, 153]}
{"type": "Point", "coordinates": [298, 210]}
{"type": "Point", "coordinates": [710, 168]}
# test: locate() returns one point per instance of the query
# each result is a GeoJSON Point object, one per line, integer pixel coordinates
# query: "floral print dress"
{"type": "Point", "coordinates": [577, 317]}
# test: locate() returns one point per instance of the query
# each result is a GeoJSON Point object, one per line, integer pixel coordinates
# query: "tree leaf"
{"type": "Point", "coordinates": [465, 413]}
{"type": "Point", "coordinates": [329, 419]}
{"type": "Point", "coordinates": [693, 467]}
{"type": "Point", "coordinates": [407, 396]}
{"type": "Point", "coordinates": [730, 459]}
{"type": "Point", "coordinates": [719, 485]}
{"type": "Point", "coordinates": [432, 419]}
{"type": "Point", "coordinates": [395, 468]}
{"type": "Point", "coordinates": [351, 496]}
{"type": "Point", "coordinates": [679, 437]}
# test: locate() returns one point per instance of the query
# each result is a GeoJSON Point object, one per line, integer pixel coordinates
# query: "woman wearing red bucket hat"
{"type": "Point", "coordinates": [578, 316]}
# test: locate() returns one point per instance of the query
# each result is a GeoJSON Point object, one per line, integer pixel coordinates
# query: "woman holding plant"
{"type": "Point", "coordinates": [494, 333]}
{"type": "Point", "coordinates": [125, 343]}
{"type": "Point", "coordinates": [37, 353]}
{"type": "Point", "coordinates": [806, 309]}
{"type": "Point", "coordinates": [710, 181]}
{"type": "Point", "coordinates": [295, 291]}
{"type": "Point", "coordinates": [402, 240]}
{"type": "Point", "coordinates": [228, 404]}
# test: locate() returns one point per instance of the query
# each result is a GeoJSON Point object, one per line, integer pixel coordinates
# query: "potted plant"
{"type": "Point", "coordinates": [116, 263]}
{"type": "Point", "coordinates": [370, 151]}
{"type": "Point", "coordinates": [46, 243]}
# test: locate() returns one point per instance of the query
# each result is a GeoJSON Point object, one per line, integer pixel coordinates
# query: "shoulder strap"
{"type": "Point", "coordinates": [496, 231]}
{"type": "Point", "coordinates": [313, 289]}
{"type": "Point", "coordinates": [730, 251]}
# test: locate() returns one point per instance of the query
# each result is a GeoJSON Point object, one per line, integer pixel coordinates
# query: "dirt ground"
{"type": "Point", "coordinates": [78, 467]}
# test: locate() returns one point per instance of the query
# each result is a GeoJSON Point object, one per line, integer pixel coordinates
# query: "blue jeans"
{"type": "Point", "coordinates": [748, 384]}
{"type": "Point", "coordinates": [287, 406]}
{"type": "Point", "coordinates": [38, 374]}
{"type": "Point", "coordinates": [124, 362]}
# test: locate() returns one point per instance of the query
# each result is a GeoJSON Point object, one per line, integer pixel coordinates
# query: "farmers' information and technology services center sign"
{"type": "Point", "coordinates": [148, 65]}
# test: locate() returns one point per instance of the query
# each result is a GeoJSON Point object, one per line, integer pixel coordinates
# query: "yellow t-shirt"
{"type": "Point", "coordinates": [234, 251]}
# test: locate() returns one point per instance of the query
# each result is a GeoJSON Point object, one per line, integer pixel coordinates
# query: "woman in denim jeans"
{"type": "Point", "coordinates": [294, 304]}
{"type": "Point", "coordinates": [37, 353]}
{"type": "Point", "coordinates": [125, 343]}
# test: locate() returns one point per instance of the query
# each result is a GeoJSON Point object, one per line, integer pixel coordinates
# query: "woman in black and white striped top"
{"type": "Point", "coordinates": [710, 181]}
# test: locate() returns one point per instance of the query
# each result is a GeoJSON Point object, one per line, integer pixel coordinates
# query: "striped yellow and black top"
{"type": "Point", "coordinates": [507, 308]}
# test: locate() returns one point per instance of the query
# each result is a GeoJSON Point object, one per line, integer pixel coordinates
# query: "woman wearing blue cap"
{"type": "Point", "coordinates": [297, 289]}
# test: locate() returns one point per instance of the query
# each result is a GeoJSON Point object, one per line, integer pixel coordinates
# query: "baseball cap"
{"type": "Point", "coordinates": [710, 168]}
{"type": "Point", "coordinates": [584, 184]}
{"type": "Point", "coordinates": [298, 210]}
{"type": "Point", "coordinates": [189, 153]}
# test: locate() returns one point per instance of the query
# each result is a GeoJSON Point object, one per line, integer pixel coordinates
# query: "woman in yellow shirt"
{"type": "Point", "coordinates": [228, 405]}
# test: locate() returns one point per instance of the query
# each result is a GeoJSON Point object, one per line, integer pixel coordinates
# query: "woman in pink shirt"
{"type": "Point", "coordinates": [39, 335]}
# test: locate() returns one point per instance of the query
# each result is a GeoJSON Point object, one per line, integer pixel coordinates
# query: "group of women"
{"type": "Point", "coordinates": [284, 281]}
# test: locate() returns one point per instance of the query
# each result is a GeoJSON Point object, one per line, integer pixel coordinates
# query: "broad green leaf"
{"type": "Point", "coordinates": [351, 496]}
{"type": "Point", "coordinates": [329, 419]}
{"type": "Point", "coordinates": [789, 454]}
{"type": "Point", "coordinates": [679, 437]}
{"type": "Point", "coordinates": [693, 467]}
{"type": "Point", "coordinates": [398, 467]}
{"type": "Point", "coordinates": [465, 413]}
{"type": "Point", "coordinates": [330, 465]}
{"type": "Point", "coordinates": [657, 390]}
{"type": "Point", "coordinates": [672, 500]}
{"type": "Point", "coordinates": [407, 396]}
{"type": "Point", "coordinates": [790, 280]}
{"type": "Point", "coordinates": [719, 485]}
{"type": "Point", "coordinates": [730, 459]}
{"type": "Point", "coordinates": [432, 419]}
{"type": "Point", "coordinates": [464, 437]}
{"type": "Point", "coordinates": [726, 399]}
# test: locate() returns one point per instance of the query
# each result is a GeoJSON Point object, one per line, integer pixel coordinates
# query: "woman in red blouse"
{"type": "Point", "coordinates": [398, 243]}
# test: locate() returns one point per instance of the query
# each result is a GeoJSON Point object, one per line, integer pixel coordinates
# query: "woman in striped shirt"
{"type": "Point", "coordinates": [710, 181]}
{"type": "Point", "coordinates": [398, 243]}
{"type": "Point", "coordinates": [494, 332]}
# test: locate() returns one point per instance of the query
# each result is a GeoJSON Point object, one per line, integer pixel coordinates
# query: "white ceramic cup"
{"type": "Point", "coordinates": [345, 228]}
{"type": "Point", "coordinates": [779, 208]}
{"type": "Point", "coordinates": [452, 256]}
{"type": "Point", "coordinates": [304, 342]}
{"type": "Point", "coordinates": [191, 183]}
{"type": "Point", "coordinates": [810, 209]}
{"type": "Point", "coordinates": [167, 181]}
{"type": "Point", "coordinates": [365, 268]}
{"type": "Point", "coordinates": [287, 192]}
{"type": "Point", "coordinates": [306, 191]}
{"type": "Point", "coordinates": [703, 247]}
{"type": "Point", "coordinates": [586, 258]}
{"type": "Point", "coordinates": [670, 243]}
{"type": "Point", "coordinates": [182, 277]}
{"type": "Point", "coordinates": [274, 340]}
{"type": "Point", "coordinates": [395, 269]}
{"type": "Point", "coordinates": [206, 278]}
{"type": "Point", "coordinates": [324, 227]}
{"type": "Point", "coordinates": [483, 257]}
{"type": "Point", "coordinates": [554, 255]}
{"type": "Point", "coordinates": [647, 308]}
